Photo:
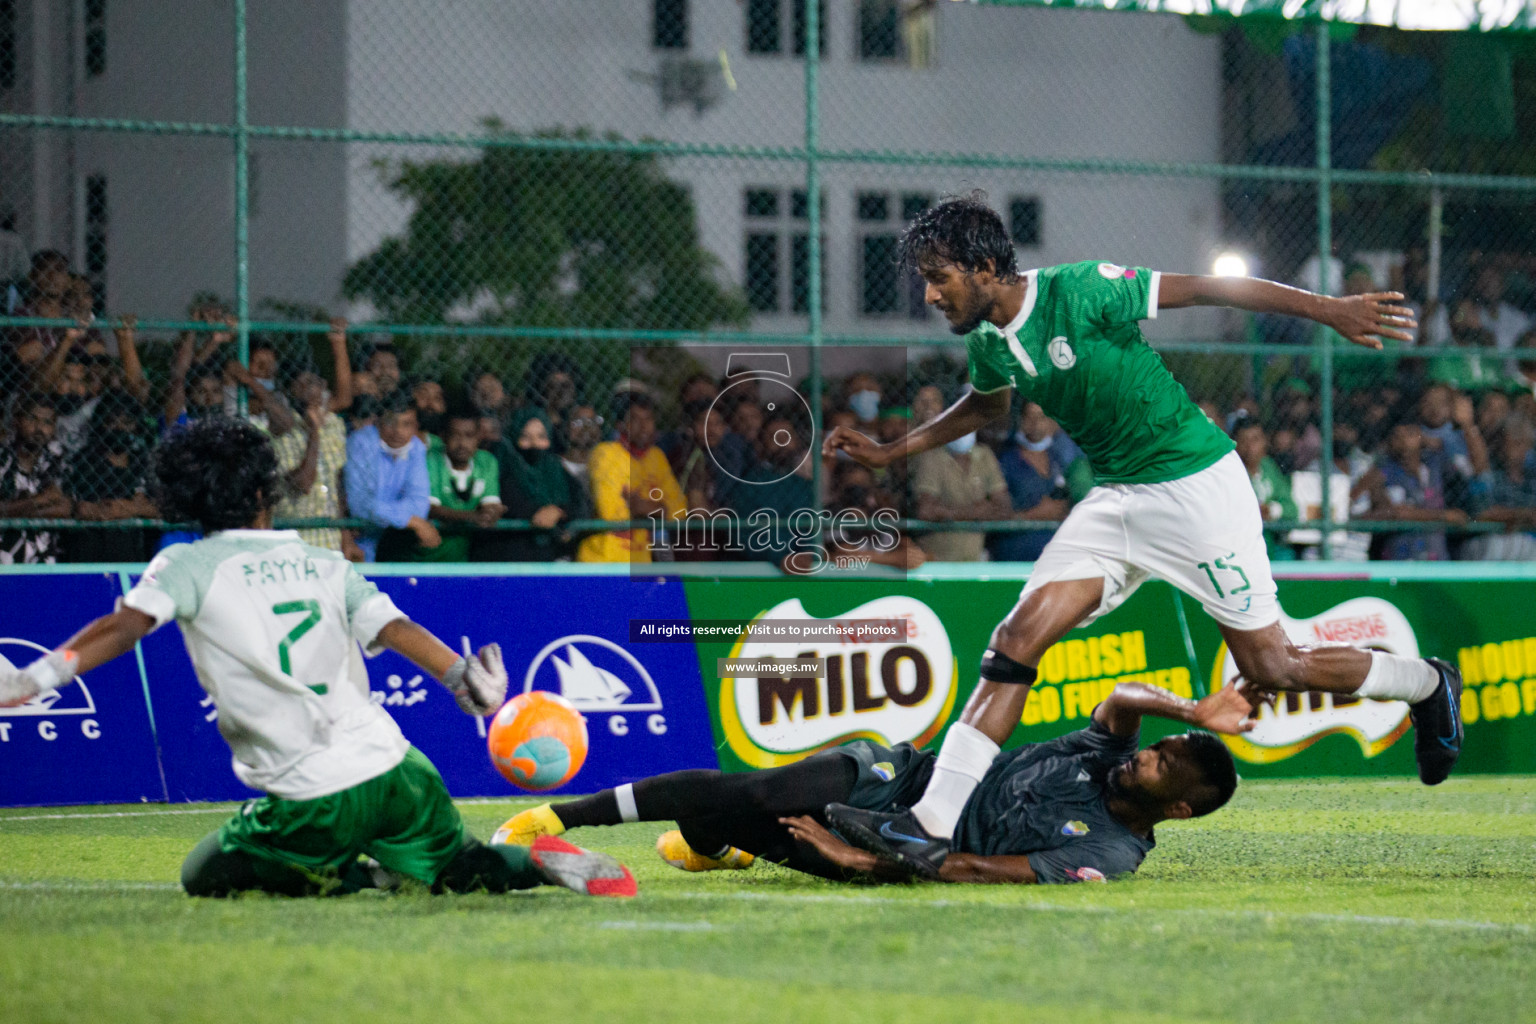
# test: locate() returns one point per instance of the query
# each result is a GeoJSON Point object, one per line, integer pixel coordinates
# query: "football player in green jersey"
{"type": "Point", "coordinates": [1171, 498]}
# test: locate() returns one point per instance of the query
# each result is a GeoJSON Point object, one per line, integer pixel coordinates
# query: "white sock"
{"type": "Point", "coordinates": [963, 760]}
{"type": "Point", "coordinates": [625, 797]}
{"type": "Point", "coordinates": [1394, 677]}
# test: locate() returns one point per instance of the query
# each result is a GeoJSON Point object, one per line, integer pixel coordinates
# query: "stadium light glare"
{"type": "Point", "coordinates": [1230, 264]}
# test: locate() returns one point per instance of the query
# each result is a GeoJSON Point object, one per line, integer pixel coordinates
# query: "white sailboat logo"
{"type": "Point", "coordinates": [589, 686]}
{"type": "Point", "coordinates": [584, 684]}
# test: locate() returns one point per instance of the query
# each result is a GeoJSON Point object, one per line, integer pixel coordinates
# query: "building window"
{"type": "Point", "coordinates": [776, 238]}
{"type": "Point", "coordinates": [765, 26]}
{"type": "Point", "coordinates": [1024, 220]}
{"type": "Point", "coordinates": [879, 30]}
{"type": "Point", "coordinates": [669, 24]}
{"type": "Point", "coordinates": [884, 288]}
{"type": "Point", "coordinates": [95, 38]}
{"type": "Point", "coordinates": [96, 238]}
{"type": "Point", "coordinates": [7, 44]}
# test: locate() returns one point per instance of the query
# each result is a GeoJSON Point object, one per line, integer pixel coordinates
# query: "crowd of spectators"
{"type": "Point", "coordinates": [1439, 435]}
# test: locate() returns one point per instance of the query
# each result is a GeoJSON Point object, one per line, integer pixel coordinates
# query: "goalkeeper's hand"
{"type": "Point", "coordinates": [53, 670]}
{"type": "Point", "coordinates": [478, 682]}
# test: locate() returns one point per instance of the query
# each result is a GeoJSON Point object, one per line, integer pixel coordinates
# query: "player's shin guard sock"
{"type": "Point", "coordinates": [963, 760]}
{"type": "Point", "coordinates": [597, 809]}
{"type": "Point", "coordinates": [1394, 677]}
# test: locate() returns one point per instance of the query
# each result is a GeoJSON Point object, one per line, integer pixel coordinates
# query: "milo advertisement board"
{"type": "Point", "coordinates": [911, 688]}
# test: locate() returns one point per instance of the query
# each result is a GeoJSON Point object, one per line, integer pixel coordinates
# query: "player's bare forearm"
{"type": "Point", "coordinates": [972, 412]}
{"type": "Point", "coordinates": [1361, 319]}
{"type": "Point", "coordinates": [807, 830]}
{"type": "Point", "coordinates": [974, 868]}
{"type": "Point", "coordinates": [107, 637]}
{"type": "Point", "coordinates": [1226, 710]}
{"type": "Point", "coordinates": [418, 646]}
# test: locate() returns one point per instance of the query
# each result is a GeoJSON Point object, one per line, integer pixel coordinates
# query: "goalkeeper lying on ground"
{"type": "Point", "coordinates": [272, 626]}
{"type": "Point", "coordinates": [1078, 808]}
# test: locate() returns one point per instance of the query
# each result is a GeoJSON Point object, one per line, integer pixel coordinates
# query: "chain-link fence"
{"type": "Point", "coordinates": [531, 213]}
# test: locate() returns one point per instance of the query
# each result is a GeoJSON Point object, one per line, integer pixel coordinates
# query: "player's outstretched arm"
{"type": "Point", "coordinates": [96, 644]}
{"type": "Point", "coordinates": [958, 867]}
{"type": "Point", "coordinates": [1227, 710]}
{"type": "Point", "coordinates": [478, 682]}
{"type": "Point", "coordinates": [1362, 319]}
{"type": "Point", "coordinates": [972, 412]}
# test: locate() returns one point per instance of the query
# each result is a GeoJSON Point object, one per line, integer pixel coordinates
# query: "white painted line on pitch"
{"type": "Point", "coordinates": [690, 926]}
{"type": "Point", "coordinates": [1277, 915]}
{"type": "Point", "coordinates": [658, 926]}
{"type": "Point", "coordinates": [117, 814]}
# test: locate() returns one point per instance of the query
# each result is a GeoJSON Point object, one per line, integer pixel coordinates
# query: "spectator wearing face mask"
{"type": "Point", "coordinates": [109, 482]}
{"type": "Point", "coordinates": [959, 482]}
{"type": "Point", "coordinates": [536, 487]}
{"type": "Point", "coordinates": [387, 485]}
{"type": "Point", "coordinates": [1045, 472]}
{"type": "Point", "coordinates": [266, 408]}
{"type": "Point", "coordinates": [864, 399]}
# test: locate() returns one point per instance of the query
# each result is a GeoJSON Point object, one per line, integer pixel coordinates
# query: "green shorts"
{"type": "Point", "coordinates": [404, 819]}
{"type": "Point", "coordinates": [889, 777]}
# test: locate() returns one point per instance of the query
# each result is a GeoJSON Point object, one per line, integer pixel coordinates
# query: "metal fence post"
{"type": "Point", "coordinates": [1325, 254]}
{"type": "Point", "coordinates": [242, 200]}
{"type": "Point", "coordinates": [813, 243]}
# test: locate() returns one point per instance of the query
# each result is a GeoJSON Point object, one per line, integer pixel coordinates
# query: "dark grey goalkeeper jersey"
{"type": "Point", "coordinates": [1047, 800]}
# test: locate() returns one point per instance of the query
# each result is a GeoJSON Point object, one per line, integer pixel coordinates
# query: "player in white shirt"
{"type": "Point", "coordinates": [272, 626]}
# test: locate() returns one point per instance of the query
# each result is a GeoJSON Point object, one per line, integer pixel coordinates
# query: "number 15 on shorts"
{"type": "Point", "coordinates": [1230, 570]}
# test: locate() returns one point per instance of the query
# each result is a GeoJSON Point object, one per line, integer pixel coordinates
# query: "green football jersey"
{"type": "Point", "coordinates": [481, 483]}
{"type": "Point", "coordinates": [1076, 349]}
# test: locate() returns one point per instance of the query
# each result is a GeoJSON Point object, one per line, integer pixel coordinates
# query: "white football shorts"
{"type": "Point", "coordinates": [1202, 533]}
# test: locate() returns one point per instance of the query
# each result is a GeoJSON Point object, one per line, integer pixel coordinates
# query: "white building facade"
{"type": "Point", "coordinates": [152, 216]}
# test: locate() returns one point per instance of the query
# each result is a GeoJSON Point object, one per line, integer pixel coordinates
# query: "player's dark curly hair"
{"type": "Point", "coordinates": [217, 472]}
{"type": "Point", "coordinates": [962, 230]}
{"type": "Point", "coordinates": [1214, 762]}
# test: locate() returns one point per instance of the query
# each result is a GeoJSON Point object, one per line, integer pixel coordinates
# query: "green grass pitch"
{"type": "Point", "coordinates": [1302, 901]}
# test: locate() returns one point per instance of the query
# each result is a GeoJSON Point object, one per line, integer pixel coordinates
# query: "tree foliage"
{"type": "Point", "coordinates": [549, 238]}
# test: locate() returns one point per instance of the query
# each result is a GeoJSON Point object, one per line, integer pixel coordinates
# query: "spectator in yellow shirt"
{"type": "Point", "coordinates": [630, 479]}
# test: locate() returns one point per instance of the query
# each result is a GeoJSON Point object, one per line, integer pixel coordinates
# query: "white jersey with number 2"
{"type": "Point", "coordinates": [272, 626]}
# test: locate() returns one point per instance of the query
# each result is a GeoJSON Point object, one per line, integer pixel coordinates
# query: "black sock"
{"type": "Point", "coordinates": [597, 809]}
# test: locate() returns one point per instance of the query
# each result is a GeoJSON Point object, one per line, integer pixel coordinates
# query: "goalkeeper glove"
{"type": "Point", "coordinates": [53, 670]}
{"type": "Point", "coordinates": [478, 682]}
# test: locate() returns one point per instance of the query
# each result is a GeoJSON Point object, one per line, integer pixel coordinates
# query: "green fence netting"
{"type": "Point", "coordinates": [525, 208]}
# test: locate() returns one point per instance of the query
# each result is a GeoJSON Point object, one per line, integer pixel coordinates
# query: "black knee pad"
{"type": "Point", "coordinates": [997, 667]}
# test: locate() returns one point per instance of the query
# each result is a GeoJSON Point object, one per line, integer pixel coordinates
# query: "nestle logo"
{"type": "Point", "coordinates": [1351, 630]}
